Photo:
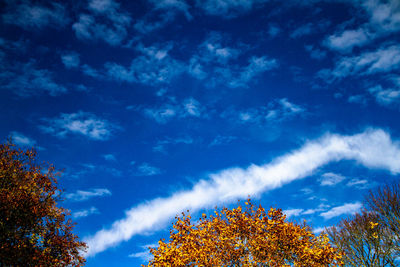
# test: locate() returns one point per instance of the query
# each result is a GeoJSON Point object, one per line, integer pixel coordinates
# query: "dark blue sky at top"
{"type": "Point", "coordinates": [140, 102]}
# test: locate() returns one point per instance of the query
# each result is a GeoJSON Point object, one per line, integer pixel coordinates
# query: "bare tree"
{"type": "Point", "coordinates": [386, 203]}
{"type": "Point", "coordinates": [372, 237]}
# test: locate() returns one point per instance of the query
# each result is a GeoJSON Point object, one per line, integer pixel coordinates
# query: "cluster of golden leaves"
{"type": "Point", "coordinates": [34, 231]}
{"type": "Point", "coordinates": [243, 237]}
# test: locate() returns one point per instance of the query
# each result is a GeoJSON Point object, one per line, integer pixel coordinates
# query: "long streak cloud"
{"type": "Point", "coordinates": [372, 148]}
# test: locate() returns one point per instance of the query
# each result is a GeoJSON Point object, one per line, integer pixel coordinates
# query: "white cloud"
{"type": "Point", "coordinates": [145, 169]}
{"type": "Point", "coordinates": [22, 140]}
{"type": "Point", "coordinates": [85, 213]}
{"type": "Point", "coordinates": [144, 255]}
{"type": "Point", "coordinates": [345, 41]}
{"type": "Point", "coordinates": [293, 212]}
{"type": "Point", "coordinates": [222, 140]}
{"type": "Point", "coordinates": [380, 61]}
{"type": "Point", "coordinates": [359, 99]}
{"type": "Point", "coordinates": [289, 107]}
{"type": "Point", "coordinates": [26, 79]}
{"type": "Point", "coordinates": [300, 212]}
{"type": "Point", "coordinates": [109, 157]}
{"type": "Point", "coordinates": [105, 22]}
{"type": "Point", "coordinates": [90, 71]}
{"type": "Point", "coordinates": [228, 8]}
{"type": "Point", "coordinates": [318, 230]}
{"type": "Point", "coordinates": [256, 66]}
{"type": "Point", "coordinates": [273, 30]}
{"type": "Point", "coordinates": [385, 97]}
{"type": "Point", "coordinates": [346, 209]}
{"type": "Point", "coordinates": [189, 107]}
{"type": "Point", "coordinates": [160, 145]}
{"type": "Point", "coordinates": [303, 30]}
{"type": "Point", "coordinates": [153, 67]}
{"type": "Point", "coordinates": [81, 195]}
{"type": "Point", "coordinates": [162, 114]}
{"type": "Point", "coordinates": [384, 15]}
{"type": "Point", "coordinates": [372, 148]}
{"type": "Point", "coordinates": [315, 53]}
{"type": "Point", "coordinates": [384, 18]}
{"type": "Point", "coordinates": [178, 5]}
{"type": "Point", "coordinates": [192, 107]}
{"type": "Point", "coordinates": [330, 179]}
{"type": "Point", "coordinates": [275, 111]}
{"type": "Point", "coordinates": [29, 15]}
{"type": "Point", "coordinates": [219, 62]}
{"type": "Point", "coordinates": [321, 207]}
{"type": "Point", "coordinates": [70, 60]}
{"type": "Point", "coordinates": [82, 123]}
{"type": "Point", "coordinates": [145, 26]}
{"type": "Point", "coordinates": [214, 48]}
{"type": "Point", "coordinates": [360, 183]}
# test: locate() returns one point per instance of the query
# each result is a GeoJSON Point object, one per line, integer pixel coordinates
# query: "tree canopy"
{"type": "Point", "coordinates": [34, 230]}
{"type": "Point", "coordinates": [371, 237]}
{"type": "Point", "coordinates": [247, 236]}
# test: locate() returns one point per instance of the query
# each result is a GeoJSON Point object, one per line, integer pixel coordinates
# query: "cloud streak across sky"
{"type": "Point", "coordinates": [372, 148]}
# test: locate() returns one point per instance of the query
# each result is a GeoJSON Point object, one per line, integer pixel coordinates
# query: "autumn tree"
{"type": "Point", "coordinates": [371, 237]}
{"type": "Point", "coordinates": [243, 237]}
{"type": "Point", "coordinates": [385, 202]}
{"type": "Point", "coordinates": [34, 230]}
{"type": "Point", "coordinates": [363, 240]}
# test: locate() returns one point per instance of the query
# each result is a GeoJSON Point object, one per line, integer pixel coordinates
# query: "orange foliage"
{"type": "Point", "coordinates": [249, 237]}
{"type": "Point", "coordinates": [34, 231]}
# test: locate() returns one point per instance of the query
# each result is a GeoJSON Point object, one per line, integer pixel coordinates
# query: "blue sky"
{"type": "Point", "coordinates": [155, 107]}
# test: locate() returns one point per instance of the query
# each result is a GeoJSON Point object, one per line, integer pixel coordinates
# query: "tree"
{"type": "Point", "coordinates": [372, 237]}
{"type": "Point", "coordinates": [34, 231]}
{"type": "Point", "coordinates": [385, 202]}
{"type": "Point", "coordinates": [249, 237]}
{"type": "Point", "coordinates": [363, 240]}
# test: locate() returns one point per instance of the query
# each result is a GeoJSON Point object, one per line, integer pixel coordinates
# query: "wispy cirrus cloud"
{"type": "Point", "coordinates": [302, 30]}
{"type": "Point", "coordinates": [358, 183]}
{"type": "Point", "coordinates": [315, 52]}
{"type": "Point", "coordinates": [145, 169]}
{"type": "Point", "coordinates": [228, 8]}
{"type": "Point", "coordinates": [82, 195]}
{"type": "Point", "coordinates": [153, 66]}
{"type": "Point", "coordinates": [385, 97]}
{"type": "Point", "coordinates": [372, 148]}
{"type": "Point", "coordinates": [30, 15]}
{"type": "Point", "coordinates": [383, 60]}
{"type": "Point", "coordinates": [173, 6]}
{"type": "Point", "coordinates": [345, 41]}
{"type": "Point", "coordinates": [217, 61]}
{"type": "Point", "coordinates": [222, 140]}
{"type": "Point", "coordinates": [292, 212]}
{"type": "Point", "coordinates": [256, 66]}
{"type": "Point", "coordinates": [70, 59]}
{"type": "Point", "coordinates": [384, 15]}
{"type": "Point", "coordinates": [301, 212]}
{"type": "Point", "coordinates": [274, 112]}
{"type": "Point", "coordinates": [145, 254]}
{"type": "Point", "coordinates": [345, 209]}
{"type": "Point", "coordinates": [22, 140]}
{"type": "Point", "coordinates": [331, 179]}
{"type": "Point", "coordinates": [27, 79]}
{"type": "Point", "coordinates": [161, 144]}
{"type": "Point", "coordinates": [383, 19]}
{"type": "Point", "coordinates": [109, 157]}
{"type": "Point", "coordinates": [85, 212]}
{"type": "Point", "coordinates": [105, 21]}
{"type": "Point", "coordinates": [81, 123]}
{"type": "Point", "coordinates": [189, 107]}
